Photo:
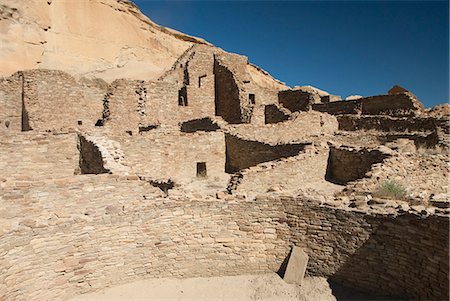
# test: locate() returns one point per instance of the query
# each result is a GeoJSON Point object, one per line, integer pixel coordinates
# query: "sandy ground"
{"type": "Point", "coordinates": [267, 287]}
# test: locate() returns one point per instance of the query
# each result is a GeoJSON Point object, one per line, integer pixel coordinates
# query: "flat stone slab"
{"type": "Point", "coordinates": [296, 267]}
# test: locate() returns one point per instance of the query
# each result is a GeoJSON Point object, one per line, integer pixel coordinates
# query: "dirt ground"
{"type": "Point", "coordinates": [267, 287]}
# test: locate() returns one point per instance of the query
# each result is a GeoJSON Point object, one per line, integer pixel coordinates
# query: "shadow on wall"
{"type": "Point", "coordinates": [405, 257]}
{"type": "Point", "coordinates": [241, 153]}
{"type": "Point", "coordinates": [203, 124]}
{"type": "Point", "coordinates": [345, 165]}
{"type": "Point", "coordinates": [91, 161]}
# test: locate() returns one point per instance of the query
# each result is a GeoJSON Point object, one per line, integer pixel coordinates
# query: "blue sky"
{"type": "Point", "coordinates": [343, 47]}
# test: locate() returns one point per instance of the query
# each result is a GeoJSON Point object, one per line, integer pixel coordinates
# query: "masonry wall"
{"type": "Point", "coordinates": [404, 256]}
{"type": "Point", "coordinates": [401, 104]}
{"type": "Point", "coordinates": [227, 94]}
{"type": "Point", "coordinates": [241, 153]}
{"type": "Point", "coordinates": [107, 231]}
{"type": "Point", "coordinates": [27, 156]}
{"type": "Point", "coordinates": [11, 104]}
{"type": "Point", "coordinates": [392, 124]}
{"type": "Point", "coordinates": [54, 100]}
{"type": "Point", "coordinates": [345, 165]}
{"type": "Point", "coordinates": [274, 114]}
{"type": "Point", "coordinates": [339, 107]}
{"type": "Point", "coordinates": [174, 155]}
{"type": "Point", "coordinates": [296, 100]}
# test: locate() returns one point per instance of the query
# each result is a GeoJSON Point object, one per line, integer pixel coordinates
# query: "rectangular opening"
{"type": "Point", "coordinates": [251, 97]}
{"type": "Point", "coordinates": [200, 78]}
{"type": "Point", "coordinates": [201, 169]}
{"type": "Point", "coordinates": [182, 97]}
{"type": "Point", "coordinates": [80, 122]}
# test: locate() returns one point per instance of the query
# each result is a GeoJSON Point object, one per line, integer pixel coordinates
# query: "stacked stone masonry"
{"type": "Point", "coordinates": [209, 171]}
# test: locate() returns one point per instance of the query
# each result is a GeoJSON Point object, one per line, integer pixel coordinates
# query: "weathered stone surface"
{"type": "Point", "coordinates": [296, 267]}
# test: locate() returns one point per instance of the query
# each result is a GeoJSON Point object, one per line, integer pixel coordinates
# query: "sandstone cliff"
{"type": "Point", "coordinates": [109, 39]}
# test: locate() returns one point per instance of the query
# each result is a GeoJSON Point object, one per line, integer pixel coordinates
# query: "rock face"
{"type": "Point", "coordinates": [92, 38]}
{"type": "Point", "coordinates": [106, 39]}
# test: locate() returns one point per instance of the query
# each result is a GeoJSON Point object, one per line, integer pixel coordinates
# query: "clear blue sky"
{"type": "Point", "coordinates": [343, 47]}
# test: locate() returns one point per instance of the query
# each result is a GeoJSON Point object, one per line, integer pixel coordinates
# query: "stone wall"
{"type": "Point", "coordinates": [297, 100]}
{"type": "Point", "coordinates": [348, 164]}
{"type": "Point", "coordinates": [173, 155]}
{"type": "Point", "coordinates": [400, 104]}
{"type": "Point", "coordinates": [55, 100]}
{"type": "Point", "coordinates": [404, 256]}
{"type": "Point", "coordinates": [11, 104]}
{"type": "Point", "coordinates": [107, 231]}
{"type": "Point", "coordinates": [301, 127]}
{"type": "Point", "coordinates": [306, 171]}
{"type": "Point", "coordinates": [230, 103]}
{"type": "Point", "coordinates": [241, 153]}
{"type": "Point", "coordinates": [339, 107]}
{"type": "Point", "coordinates": [88, 232]}
{"type": "Point", "coordinates": [392, 124]}
{"type": "Point", "coordinates": [275, 114]}
{"type": "Point", "coordinates": [30, 156]}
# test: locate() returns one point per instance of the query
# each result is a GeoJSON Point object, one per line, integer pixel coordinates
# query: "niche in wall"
{"type": "Point", "coordinates": [201, 169]}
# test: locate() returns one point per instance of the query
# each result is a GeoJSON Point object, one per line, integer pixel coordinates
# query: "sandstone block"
{"type": "Point", "coordinates": [296, 267]}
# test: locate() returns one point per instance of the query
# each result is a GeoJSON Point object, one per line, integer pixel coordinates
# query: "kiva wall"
{"type": "Point", "coordinates": [107, 231]}
{"type": "Point", "coordinates": [404, 256]}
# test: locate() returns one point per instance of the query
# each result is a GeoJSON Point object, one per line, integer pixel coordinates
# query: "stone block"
{"type": "Point", "coordinates": [296, 267]}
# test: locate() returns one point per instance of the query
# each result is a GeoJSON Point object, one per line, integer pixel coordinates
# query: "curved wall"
{"type": "Point", "coordinates": [88, 232]}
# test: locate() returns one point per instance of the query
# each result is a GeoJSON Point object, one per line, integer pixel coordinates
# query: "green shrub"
{"type": "Point", "coordinates": [391, 189]}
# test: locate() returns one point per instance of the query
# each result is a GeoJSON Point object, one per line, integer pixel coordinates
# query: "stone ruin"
{"type": "Point", "coordinates": [204, 172]}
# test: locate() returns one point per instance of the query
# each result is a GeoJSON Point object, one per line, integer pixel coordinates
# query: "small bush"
{"type": "Point", "coordinates": [391, 189]}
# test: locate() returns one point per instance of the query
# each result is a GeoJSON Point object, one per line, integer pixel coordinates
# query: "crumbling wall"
{"type": "Point", "coordinates": [139, 233]}
{"type": "Point", "coordinates": [392, 124]}
{"type": "Point", "coordinates": [400, 104]}
{"type": "Point", "coordinates": [298, 100]}
{"type": "Point", "coordinates": [203, 124]}
{"type": "Point", "coordinates": [347, 164]}
{"type": "Point", "coordinates": [340, 107]}
{"type": "Point", "coordinates": [306, 171]}
{"type": "Point", "coordinates": [275, 114]}
{"type": "Point", "coordinates": [303, 127]}
{"type": "Point", "coordinates": [241, 153]}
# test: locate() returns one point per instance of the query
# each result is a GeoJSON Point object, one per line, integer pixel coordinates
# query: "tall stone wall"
{"type": "Point", "coordinates": [230, 103]}
{"type": "Point", "coordinates": [11, 104]}
{"type": "Point", "coordinates": [54, 100]}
